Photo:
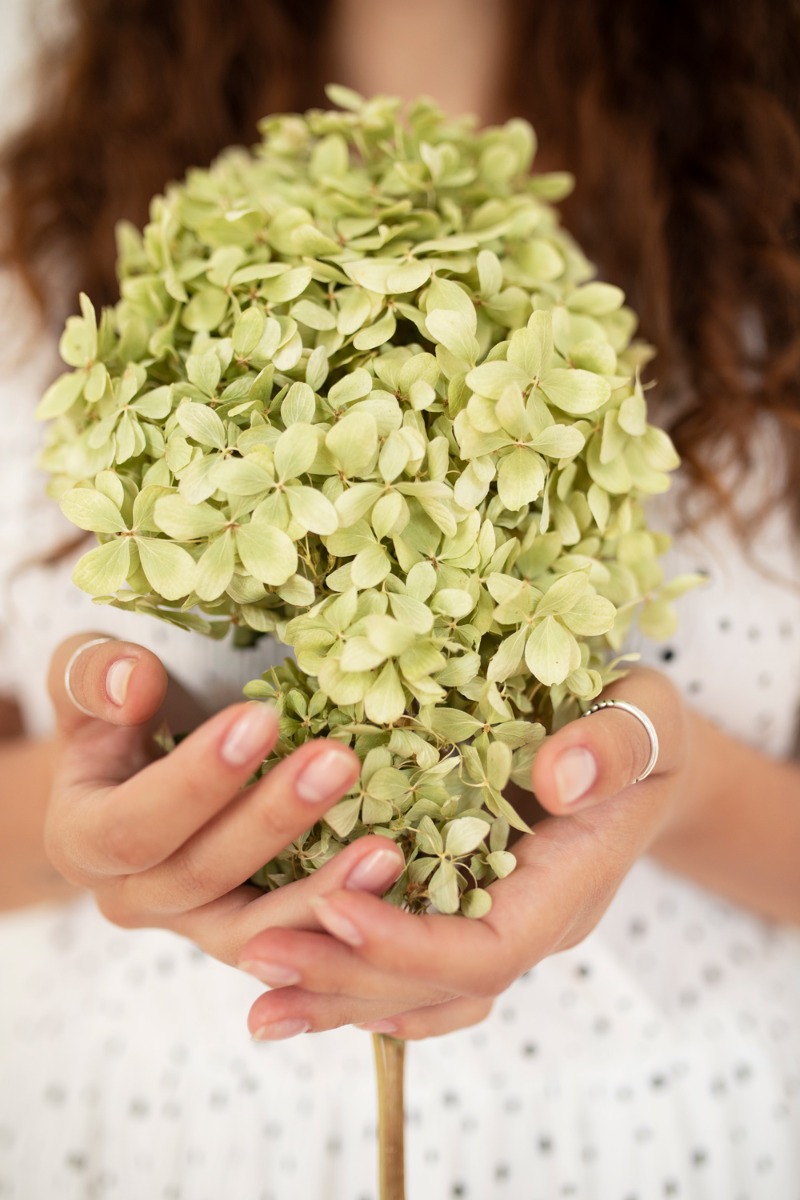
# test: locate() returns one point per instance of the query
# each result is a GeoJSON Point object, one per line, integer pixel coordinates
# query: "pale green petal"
{"type": "Point", "coordinates": [559, 441]}
{"type": "Point", "coordinates": [248, 330]}
{"type": "Point", "coordinates": [91, 510]}
{"type": "Point", "coordinates": [592, 616]}
{"type": "Point", "coordinates": [295, 450]}
{"type": "Point", "coordinates": [575, 391]}
{"type": "Point", "coordinates": [359, 654]}
{"type": "Point", "coordinates": [491, 379]}
{"type": "Point", "coordinates": [61, 395]}
{"type": "Point", "coordinates": [372, 336]}
{"type": "Point", "coordinates": [443, 888]}
{"type": "Point", "coordinates": [385, 701]}
{"type": "Point", "coordinates": [453, 602]}
{"type": "Point", "coordinates": [476, 903]}
{"type": "Point", "coordinates": [388, 635]}
{"type": "Point", "coordinates": [563, 594]}
{"type": "Point", "coordinates": [343, 817]}
{"type": "Point", "coordinates": [464, 835]}
{"type": "Point", "coordinates": [185, 522]}
{"type": "Point", "coordinates": [202, 424]}
{"type": "Point", "coordinates": [204, 371]}
{"type": "Point", "coordinates": [104, 570]}
{"type": "Point", "coordinates": [353, 442]}
{"type": "Point", "coordinates": [353, 386]}
{"type": "Point", "coordinates": [413, 613]}
{"type": "Point", "coordinates": [312, 510]}
{"type": "Point", "coordinates": [453, 725]}
{"type": "Point", "coordinates": [215, 568]}
{"type": "Point", "coordinates": [502, 862]}
{"type": "Point", "coordinates": [370, 567]}
{"type": "Point", "coordinates": [268, 554]}
{"type": "Point", "coordinates": [452, 331]}
{"type": "Point", "coordinates": [169, 568]}
{"type": "Point", "coordinates": [298, 405]}
{"type": "Point", "coordinates": [420, 659]}
{"type": "Point", "coordinates": [550, 652]}
{"type": "Point", "coordinates": [508, 658]}
{"type": "Point", "coordinates": [520, 478]}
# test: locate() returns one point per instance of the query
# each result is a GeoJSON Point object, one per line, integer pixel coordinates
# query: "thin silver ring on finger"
{"type": "Point", "coordinates": [73, 658]}
{"type": "Point", "coordinates": [643, 719]}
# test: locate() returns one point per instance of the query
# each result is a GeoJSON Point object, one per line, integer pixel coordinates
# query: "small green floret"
{"type": "Point", "coordinates": [362, 393]}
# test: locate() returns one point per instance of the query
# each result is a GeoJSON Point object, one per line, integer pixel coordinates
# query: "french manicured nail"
{"type": "Point", "coordinates": [117, 678]}
{"type": "Point", "coordinates": [277, 1030]}
{"type": "Point", "coordinates": [336, 923]}
{"type": "Point", "coordinates": [273, 974]}
{"type": "Point", "coordinates": [374, 872]}
{"type": "Point", "coordinates": [325, 776]}
{"type": "Point", "coordinates": [378, 1027]}
{"type": "Point", "coordinates": [575, 771]}
{"type": "Point", "coordinates": [248, 734]}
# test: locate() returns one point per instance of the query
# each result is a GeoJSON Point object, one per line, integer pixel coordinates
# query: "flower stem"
{"type": "Point", "coordinates": [389, 1062]}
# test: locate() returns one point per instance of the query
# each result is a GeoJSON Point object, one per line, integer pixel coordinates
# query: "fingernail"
{"type": "Point", "coordinates": [378, 1027]}
{"type": "Point", "coordinates": [248, 734]}
{"type": "Point", "coordinates": [336, 923]}
{"type": "Point", "coordinates": [325, 776]}
{"type": "Point", "coordinates": [277, 1030]}
{"type": "Point", "coordinates": [374, 872]}
{"type": "Point", "coordinates": [273, 974]}
{"type": "Point", "coordinates": [116, 681]}
{"type": "Point", "coordinates": [575, 771]}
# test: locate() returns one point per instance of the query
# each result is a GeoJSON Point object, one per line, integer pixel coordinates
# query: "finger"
{"type": "Point", "coordinates": [285, 1013]}
{"type": "Point", "coordinates": [593, 759]}
{"type": "Point", "coordinates": [249, 831]}
{"type": "Point", "coordinates": [101, 829]}
{"type": "Point", "coordinates": [318, 963]}
{"type": "Point", "coordinates": [94, 677]}
{"type": "Point", "coordinates": [224, 927]}
{"type": "Point", "coordinates": [434, 1020]}
{"type": "Point", "coordinates": [292, 1011]}
{"type": "Point", "coordinates": [449, 954]}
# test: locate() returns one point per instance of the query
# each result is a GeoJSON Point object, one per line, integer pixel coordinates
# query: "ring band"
{"type": "Point", "coordinates": [643, 719]}
{"type": "Point", "coordinates": [68, 672]}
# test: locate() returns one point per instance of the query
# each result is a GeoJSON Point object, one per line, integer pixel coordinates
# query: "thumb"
{"type": "Point", "coordinates": [593, 759]}
{"type": "Point", "coordinates": [96, 677]}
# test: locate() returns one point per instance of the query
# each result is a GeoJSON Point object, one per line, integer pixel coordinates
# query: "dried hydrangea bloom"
{"type": "Point", "coordinates": [361, 393]}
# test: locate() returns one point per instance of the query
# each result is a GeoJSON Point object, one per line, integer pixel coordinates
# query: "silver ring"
{"type": "Point", "coordinates": [68, 672]}
{"type": "Point", "coordinates": [643, 719]}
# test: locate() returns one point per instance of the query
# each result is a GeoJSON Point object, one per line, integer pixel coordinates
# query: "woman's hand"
{"type": "Point", "coordinates": [170, 841]}
{"type": "Point", "coordinates": [414, 976]}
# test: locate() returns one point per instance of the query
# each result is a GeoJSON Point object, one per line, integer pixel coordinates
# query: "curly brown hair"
{"type": "Point", "coordinates": [680, 121]}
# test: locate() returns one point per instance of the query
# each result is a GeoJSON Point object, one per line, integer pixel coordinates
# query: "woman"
{"type": "Point", "coordinates": [625, 1065]}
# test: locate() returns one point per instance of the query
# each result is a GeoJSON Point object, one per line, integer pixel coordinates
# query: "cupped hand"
{"type": "Point", "coordinates": [170, 841]}
{"type": "Point", "coordinates": [411, 976]}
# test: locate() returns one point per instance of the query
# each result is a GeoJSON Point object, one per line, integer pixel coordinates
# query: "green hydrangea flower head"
{"type": "Point", "coordinates": [362, 392]}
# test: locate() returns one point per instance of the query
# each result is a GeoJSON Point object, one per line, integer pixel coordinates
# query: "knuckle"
{"type": "Point", "coordinates": [112, 903]}
{"type": "Point", "coordinates": [494, 981]}
{"type": "Point", "coordinates": [190, 883]}
{"type": "Point", "coordinates": [125, 847]}
{"type": "Point", "coordinates": [277, 810]}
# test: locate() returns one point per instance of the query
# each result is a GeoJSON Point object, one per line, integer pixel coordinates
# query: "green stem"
{"type": "Point", "coordinates": [389, 1062]}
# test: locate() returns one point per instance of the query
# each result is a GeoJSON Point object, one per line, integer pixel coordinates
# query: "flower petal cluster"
{"type": "Point", "coordinates": [362, 392]}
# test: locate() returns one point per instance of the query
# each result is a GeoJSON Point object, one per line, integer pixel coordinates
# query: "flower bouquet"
{"type": "Point", "coordinates": [362, 394]}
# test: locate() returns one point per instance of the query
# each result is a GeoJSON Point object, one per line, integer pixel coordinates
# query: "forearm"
{"type": "Point", "coordinates": [26, 877]}
{"type": "Point", "coordinates": [737, 830]}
